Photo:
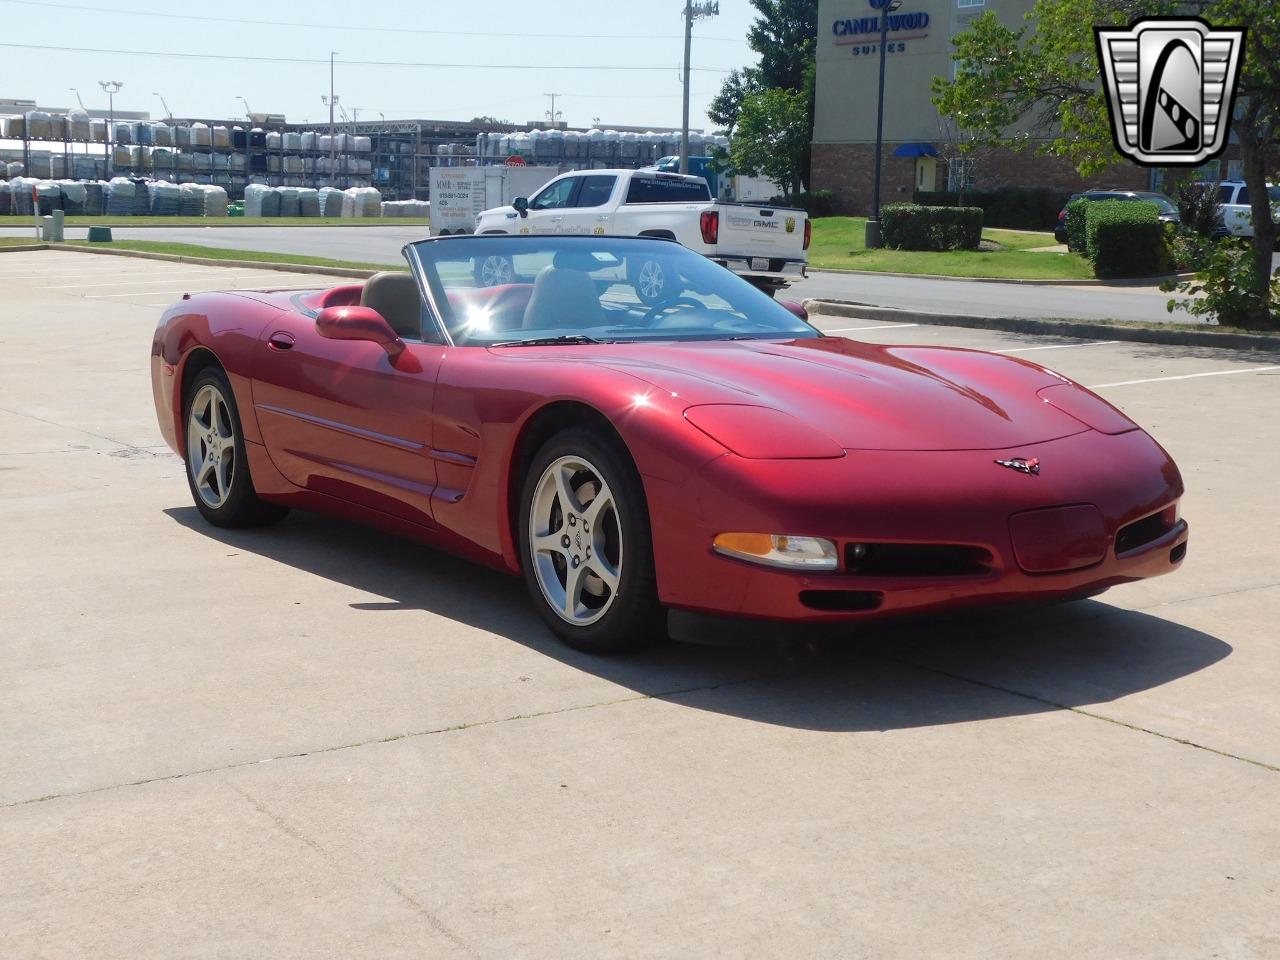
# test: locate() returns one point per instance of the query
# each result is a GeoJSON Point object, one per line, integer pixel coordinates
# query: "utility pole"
{"type": "Point", "coordinates": [551, 114]}
{"type": "Point", "coordinates": [333, 101]}
{"type": "Point", "coordinates": [871, 240]}
{"type": "Point", "coordinates": [692, 11]}
{"type": "Point", "coordinates": [110, 88]}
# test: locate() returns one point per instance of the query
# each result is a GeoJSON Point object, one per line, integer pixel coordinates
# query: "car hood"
{"type": "Point", "coordinates": [861, 395]}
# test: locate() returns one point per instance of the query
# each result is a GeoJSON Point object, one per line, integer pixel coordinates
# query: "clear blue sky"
{"type": "Point", "coordinates": [643, 33]}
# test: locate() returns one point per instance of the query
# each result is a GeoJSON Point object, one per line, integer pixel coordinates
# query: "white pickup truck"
{"type": "Point", "coordinates": [765, 245]}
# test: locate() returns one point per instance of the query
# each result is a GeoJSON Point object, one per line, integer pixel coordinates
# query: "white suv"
{"type": "Point", "coordinates": [1237, 214]}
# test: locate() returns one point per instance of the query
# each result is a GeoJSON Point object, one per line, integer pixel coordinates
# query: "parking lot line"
{"type": "Point", "coordinates": [178, 291]}
{"type": "Point", "coordinates": [125, 283]}
{"type": "Point", "coordinates": [876, 326]}
{"type": "Point", "coordinates": [1058, 346]}
{"type": "Point", "coordinates": [1185, 376]}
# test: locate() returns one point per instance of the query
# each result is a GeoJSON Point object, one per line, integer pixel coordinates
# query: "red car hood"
{"type": "Point", "coordinates": [863, 396]}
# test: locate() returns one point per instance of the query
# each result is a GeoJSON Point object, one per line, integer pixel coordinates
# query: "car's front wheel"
{"type": "Point", "coordinates": [585, 544]}
{"type": "Point", "coordinates": [217, 468]}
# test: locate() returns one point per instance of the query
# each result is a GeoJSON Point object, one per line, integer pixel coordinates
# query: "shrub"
{"type": "Point", "coordinates": [1198, 208]}
{"type": "Point", "coordinates": [1076, 224]}
{"type": "Point", "coordinates": [817, 203]}
{"type": "Point", "coordinates": [909, 226]}
{"type": "Point", "coordinates": [1017, 208]}
{"type": "Point", "coordinates": [1125, 238]}
{"type": "Point", "coordinates": [1227, 289]}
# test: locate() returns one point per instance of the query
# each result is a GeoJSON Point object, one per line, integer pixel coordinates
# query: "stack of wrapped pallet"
{"type": "Point", "coordinates": [362, 202]}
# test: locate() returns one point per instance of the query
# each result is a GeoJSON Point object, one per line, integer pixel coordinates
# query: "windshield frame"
{"type": "Point", "coordinates": [413, 254]}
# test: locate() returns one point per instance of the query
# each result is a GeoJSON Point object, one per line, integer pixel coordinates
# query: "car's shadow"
{"type": "Point", "coordinates": [944, 669]}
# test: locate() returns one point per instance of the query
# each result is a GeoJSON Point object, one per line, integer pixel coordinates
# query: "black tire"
{"type": "Point", "coordinates": [634, 618]}
{"type": "Point", "coordinates": [241, 507]}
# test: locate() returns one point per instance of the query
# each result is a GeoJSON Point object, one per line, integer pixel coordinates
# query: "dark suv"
{"type": "Point", "coordinates": [1168, 210]}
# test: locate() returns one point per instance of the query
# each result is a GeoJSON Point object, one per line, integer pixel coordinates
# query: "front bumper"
{"type": "Point", "coordinates": [955, 498]}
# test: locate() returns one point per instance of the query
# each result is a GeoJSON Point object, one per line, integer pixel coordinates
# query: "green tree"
{"type": "Point", "coordinates": [1039, 82]}
{"type": "Point", "coordinates": [727, 104]}
{"type": "Point", "coordinates": [772, 139]}
{"type": "Point", "coordinates": [784, 34]}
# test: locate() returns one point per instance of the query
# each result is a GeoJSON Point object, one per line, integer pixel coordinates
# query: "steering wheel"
{"type": "Point", "coordinates": [651, 316]}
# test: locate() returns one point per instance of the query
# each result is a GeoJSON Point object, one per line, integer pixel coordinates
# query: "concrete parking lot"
{"type": "Point", "coordinates": [319, 741]}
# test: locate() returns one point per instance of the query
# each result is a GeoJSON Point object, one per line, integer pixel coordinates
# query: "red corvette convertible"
{"type": "Point", "coordinates": [711, 453]}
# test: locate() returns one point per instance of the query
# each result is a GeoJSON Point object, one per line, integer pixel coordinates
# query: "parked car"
{"type": "Point", "coordinates": [712, 452]}
{"type": "Point", "coordinates": [1237, 212]}
{"type": "Point", "coordinates": [1168, 209]}
{"type": "Point", "coordinates": [763, 244]}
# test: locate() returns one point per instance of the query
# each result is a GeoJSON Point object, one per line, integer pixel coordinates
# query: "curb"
{"type": "Point", "coordinates": [1136, 282]}
{"type": "Point", "coordinates": [212, 262]}
{"type": "Point", "coordinates": [1082, 329]}
{"type": "Point", "coordinates": [41, 245]}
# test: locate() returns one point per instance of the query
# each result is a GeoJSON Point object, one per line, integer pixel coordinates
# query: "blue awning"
{"type": "Point", "coordinates": [916, 150]}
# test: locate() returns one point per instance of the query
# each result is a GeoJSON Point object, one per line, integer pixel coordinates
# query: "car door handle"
{"type": "Point", "coordinates": [557, 219]}
{"type": "Point", "coordinates": [603, 219]}
{"type": "Point", "coordinates": [281, 341]}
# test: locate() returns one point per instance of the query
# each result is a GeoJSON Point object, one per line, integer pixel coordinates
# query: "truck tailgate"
{"type": "Point", "coordinates": [761, 232]}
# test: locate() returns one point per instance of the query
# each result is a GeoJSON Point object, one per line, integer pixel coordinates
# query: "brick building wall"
{"type": "Point", "coordinates": [848, 171]}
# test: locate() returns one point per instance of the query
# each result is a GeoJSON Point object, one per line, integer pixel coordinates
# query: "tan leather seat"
{"type": "Point", "coordinates": [396, 297]}
{"type": "Point", "coordinates": [564, 295]}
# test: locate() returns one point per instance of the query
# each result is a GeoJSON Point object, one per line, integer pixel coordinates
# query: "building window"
{"type": "Point", "coordinates": [1235, 169]}
{"type": "Point", "coordinates": [970, 3]}
{"type": "Point", "coordinates": [959, 175]}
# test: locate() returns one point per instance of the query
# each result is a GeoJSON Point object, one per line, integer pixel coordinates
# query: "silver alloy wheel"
{"type": "Point", "coordinates": [575, 538]}
{"type": "Point", "coordinates": [651, 279]}
{"type": "Point", "coordinates": [211, 446]}
{"type": "Point", "coordinates": [496, 270]}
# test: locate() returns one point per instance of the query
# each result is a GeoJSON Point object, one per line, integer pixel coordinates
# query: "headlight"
{"type": "Point", "coordinates": [776, 550]}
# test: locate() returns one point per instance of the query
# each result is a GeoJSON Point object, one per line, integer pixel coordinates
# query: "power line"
{"type": "Point", "coordinates": [349, 63]}
{"type": "Point", "coordinates": [44, 4]}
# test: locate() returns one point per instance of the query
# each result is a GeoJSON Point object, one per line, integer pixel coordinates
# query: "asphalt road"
{"type": "Point", "coordinates": [319, 741]}
{"type": "Point", "coordinates": [383, 245]}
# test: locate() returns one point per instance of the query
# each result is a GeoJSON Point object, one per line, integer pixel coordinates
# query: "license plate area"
{"type": "Point", "coordinates": [759, 263]}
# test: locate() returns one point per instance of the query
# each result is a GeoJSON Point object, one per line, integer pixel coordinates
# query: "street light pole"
{"type": "Point", "coordinates": [110, 88]}
{"type": "Point", "coordinates": [872, 237]}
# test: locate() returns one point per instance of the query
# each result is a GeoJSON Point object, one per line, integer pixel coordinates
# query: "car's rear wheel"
{"type": "Point", "coordinates": [585, 545]}
{"type": "Point", "coordinates": [217, 468]}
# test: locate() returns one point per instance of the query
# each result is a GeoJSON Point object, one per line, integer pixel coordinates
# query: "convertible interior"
{"type": "Point", "coordinates": [562, 294]}
{"type": "Point", "coordinates": [575, 291]}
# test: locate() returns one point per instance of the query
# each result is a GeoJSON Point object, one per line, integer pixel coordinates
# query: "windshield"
{"type": "Point", "coordinates": [504, 289]}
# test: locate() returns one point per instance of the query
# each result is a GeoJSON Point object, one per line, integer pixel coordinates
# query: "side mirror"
{"type": "Point", "coordinates": [359, 323]}
{"type": "Point", "coordinates": [792, 307]}
{"type": "Point", "coordinates": [522, 205]}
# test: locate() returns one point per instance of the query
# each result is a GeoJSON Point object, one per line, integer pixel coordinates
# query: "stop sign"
{"type": "Point", "coordinates": [515, 161]}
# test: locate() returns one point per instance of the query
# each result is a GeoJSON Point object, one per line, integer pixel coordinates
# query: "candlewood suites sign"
{"type": "Point", "coordinates": [862, 34]}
